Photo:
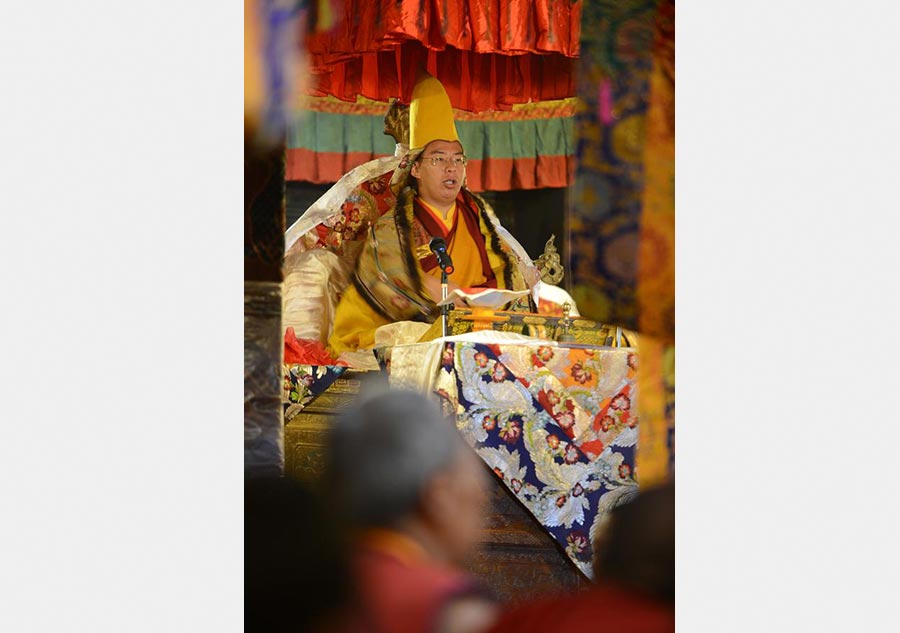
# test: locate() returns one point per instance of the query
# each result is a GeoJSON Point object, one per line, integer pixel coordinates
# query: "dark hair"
{"type": "Point", "coordinates": [637, 546]}
{"type": "Point", "coordinates": [383, 451]}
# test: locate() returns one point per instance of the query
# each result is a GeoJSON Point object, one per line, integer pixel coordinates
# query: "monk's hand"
{"type": "Point", "coordinates": [459, 302]}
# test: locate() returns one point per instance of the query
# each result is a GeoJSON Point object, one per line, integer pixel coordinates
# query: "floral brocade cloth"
{"type": "Point", "coordinates": [304, 383]}
{"type": "Point", "coordinates": [557, 425]}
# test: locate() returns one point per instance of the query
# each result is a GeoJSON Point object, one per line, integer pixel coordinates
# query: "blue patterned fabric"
{"type": "Point", "coordinates": [556, 425]}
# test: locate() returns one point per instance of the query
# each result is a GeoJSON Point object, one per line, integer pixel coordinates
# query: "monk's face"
{"type": "Point", "coordinates": [440, 171]}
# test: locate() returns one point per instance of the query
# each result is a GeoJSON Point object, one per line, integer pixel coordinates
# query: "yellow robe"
{"type": "Point", "coordinates": [355, 320]}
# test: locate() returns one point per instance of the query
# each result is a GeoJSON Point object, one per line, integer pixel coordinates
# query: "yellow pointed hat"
{"type": "Point", "coordinates": [430, 114]}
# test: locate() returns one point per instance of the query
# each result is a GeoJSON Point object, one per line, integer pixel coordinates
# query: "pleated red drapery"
{"type": "Point", "coordinates": [489, 54]}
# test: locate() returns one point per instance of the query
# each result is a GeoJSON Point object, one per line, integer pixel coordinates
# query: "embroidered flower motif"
{"type": "Point", "coordinates": [607, 422]}
{"type": "Point", "coordinates": [298, 386]}
{"type": "Point", "coordinates": [621, 402]}
{"type": "Point", "coordinates": [577, 490]}
{"type": "Point", "coordinates": [561, 500]}
{"type": "Point", "coordinates": [553, 398]}
{"type": "Point", "coordinates": [624, 471]}
{"type": "Point", "coordinates": [352, 223]}
{"type": "Point", "coordinates": [577, 542]}
{"type": "Point", "coordinates": [633, 361]}
{"type": "Point", "coordinates": [516, 485]}
{"type": "Point", "coordinates": [377, 186]}
{"type": "Point", "coordinates": [510, 431]}
{"type": "Point", "coordinates": [580, 373]}
{"type": "Point", "coordinates": [489, 422]}
{"type": "Point", "coordinates": [400, 302]}
{"type": "Point", "coordinates": [571, 454]}
{"type": "Point", "coordinates": [499, 373]}
{"type": "Point", "coordinates": [566, 420]}
{"type": "Point", "coordinates": [481, 359]}
{"type": "Point", "coordinates": [632, 421]}
{"type": "Point", "coordinates": [553, 442]}
{"type": "Point", "coordinates": [543, 355]}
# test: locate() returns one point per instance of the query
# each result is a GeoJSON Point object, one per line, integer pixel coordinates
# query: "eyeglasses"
{"type": "Point", "coordinates": [440, 161]}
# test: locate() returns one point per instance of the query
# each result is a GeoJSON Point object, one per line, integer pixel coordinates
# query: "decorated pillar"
{"type": "Point", "coordinates": [274, 72]}
{"type": "Point", "coordinates": [656, 261]}
{"type": "Point", "coordinates": [621, 219]}
{"type": "Point", "coordinates": [263, 347]}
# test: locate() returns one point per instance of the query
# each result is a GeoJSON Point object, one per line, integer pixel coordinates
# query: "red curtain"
{"type": "Point", "coordinates": [489, 54]}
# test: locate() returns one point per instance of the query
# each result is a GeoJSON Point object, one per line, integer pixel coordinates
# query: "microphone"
{"type": "Point", "coordinates": [439, 247]}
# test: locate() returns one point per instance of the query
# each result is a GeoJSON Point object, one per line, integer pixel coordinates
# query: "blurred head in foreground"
{"type": "Point", "coordinates": [415, 494]}
{"type": "Point", "coordinates": [636, 547]}
{"type": "Point", "coordinates": [296, 576]}
{"type": "Point", "coordinates": [395, 462]}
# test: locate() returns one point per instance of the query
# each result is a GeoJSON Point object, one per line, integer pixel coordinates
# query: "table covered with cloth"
{"type": "Point", "coordinates": [556, 424]}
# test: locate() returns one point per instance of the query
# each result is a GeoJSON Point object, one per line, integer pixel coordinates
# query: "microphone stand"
{"type": "Point", "coordinates": [445, 309]}
{"type": "Point", "coordinates": [439, 248]}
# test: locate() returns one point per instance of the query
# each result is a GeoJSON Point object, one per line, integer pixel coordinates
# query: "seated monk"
{"type": "Point", "coordinates": [396, 277]}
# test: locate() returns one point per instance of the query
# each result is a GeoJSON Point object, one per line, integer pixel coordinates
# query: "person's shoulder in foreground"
{"type": "Point", "coordinates": [634, 565]}
{"type": "Point", "coordinates": [603, 608]}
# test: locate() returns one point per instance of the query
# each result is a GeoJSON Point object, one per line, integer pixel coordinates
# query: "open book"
{"type": "Point", "coordinates": [484, 297]}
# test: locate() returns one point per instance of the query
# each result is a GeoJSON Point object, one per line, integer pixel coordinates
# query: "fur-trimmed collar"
{"type": "Point", "coordinates": [405, 218]}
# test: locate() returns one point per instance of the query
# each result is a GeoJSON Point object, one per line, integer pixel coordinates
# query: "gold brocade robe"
{"type": "Point", "coordinates": [387, 282]}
